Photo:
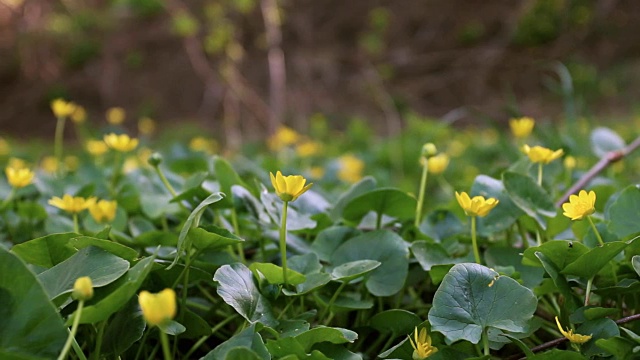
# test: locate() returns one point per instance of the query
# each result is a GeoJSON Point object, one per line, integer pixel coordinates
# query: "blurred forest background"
{"type": "Point", "coordinates": [239, 68]}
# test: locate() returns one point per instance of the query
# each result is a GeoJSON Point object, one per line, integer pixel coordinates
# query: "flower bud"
{"type": "Point", "coordinates": [82, 288]}
{"type": "Point", "coordinates": [155, 159]}
{"type": "Point", "coordinates": [429, 150]}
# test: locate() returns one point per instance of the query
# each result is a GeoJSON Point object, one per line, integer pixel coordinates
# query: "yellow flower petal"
{"type": "Point", "coordinates": [158, 308]}
{"type": "Point", "coordinates": [289, 188]}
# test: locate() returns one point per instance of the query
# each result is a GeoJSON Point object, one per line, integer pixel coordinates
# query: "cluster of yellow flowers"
{"type": "Point", "coordinates": [286, 137]}
{"type": "Point", "coordinates": [101, 211]}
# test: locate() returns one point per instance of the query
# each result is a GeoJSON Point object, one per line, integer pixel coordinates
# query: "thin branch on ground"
{"type": "Point", "coordinates": [605, 161]}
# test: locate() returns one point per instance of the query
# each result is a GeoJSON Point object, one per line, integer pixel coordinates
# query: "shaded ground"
{"type": "Point", "coordinates": [455, 59]}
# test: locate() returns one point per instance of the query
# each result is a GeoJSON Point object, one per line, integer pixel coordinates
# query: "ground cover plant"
{"type": "Point", "coordinates": [440, 243]}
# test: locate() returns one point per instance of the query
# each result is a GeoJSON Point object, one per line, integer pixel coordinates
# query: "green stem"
{"type": "Point", "coordinates": [595, 231]}
{"type": "Point", "coordinates": [283, 242]}
{"type": "Point", "coordinates": [378, 221]}
{"type": "Point", "coordinates": [587, 293]}
{"type": "Point", "coordinates": [96, 352]}
{"type": "Point", "coordinates": [76, 226]}
{"type": "Point", "coordinates": [422, 190]}
{"type": "Point", "coordinates": [332, 300]}
{"type": "Point", "coordinates": [165, 182]}
{"type": "Point", "coordinates": [236, 229]}
{"type": "Point", "coordinates": [540, 174]}
{"type": "Point", "coordinates": [474, 241]}
{"type": "Point", "coordinates": [117, 167]}
{"type": "Point", "coordinates": [57, 146]}
{"type": "Point", "coordinates": [485, 342]}
{"type": "Point", "coordinates": [78, 350]}
{"type": "Point", "coordinates": [165, 345]}
{"type": "Point", "coordinates": [74, 329]}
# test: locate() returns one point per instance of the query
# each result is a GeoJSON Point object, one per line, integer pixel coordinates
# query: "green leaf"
{"type": "Point", "coordinates": [431, 254]}
{"type": "Point", "coordinates": [119, 250]}
{"type": "Point", "coordinates": [496, 257]}
{"type": "Point", "coordinates": [325, 334]}
{"type": "Point", "coordinates": [503, 215]}
{"type": "Point", "coordinates": [559, 280]}
{"type": "Point", "coordinates": [236, 287]}
{"type": "Point", "coordinates": [248, 338]}
{"type": "Point", "coordinates": [605, 140]}
{"type": "Point", "coordinates": [274, 274]}
{"type": "Point", "coordinates": [353, 270]}
{"type": "Point", "coordinates": [329, 239]}
{"type": "Point", "coordinates": [101, 266]}
{"type": "Point", "coordinates": [589, 263]}
{"type": "Point", "coordinates": [388, 201]}
{"type": "Point", "coordinates": [471, 299]}
{"type": "Point", "coordinates": [599, 329]}
{"type": "Point", "coordinates": [619, 347]}
{"type": "Point", "coordinates": [212, 237]}
{"type": "Point", "coordinates": [529, 196]}
{"type": "Point", "coordinates": [599, 312]}
{"type": "Point", "coordinates": [624, 212]}
{"type": "Point", "coordinates": [242, 353]}
{"type": "Point", "coordinates": [383, 246]}
{"type": "Point", "coordinates": [194, 217]}
{"type": "Point", "coordinates": [172, 328]}
{"type": "Point", "coordinates": [560, 252]}
{"type": "Point", "coordinates": [395, 321]}
{"type": "Point", "coordinates": [114, 296]}
{"type": "Point", "coordinates": [46, 251]}
{"type": "Point", "coordinates": [363, 186]}
{"type": "Point", "coordinates": [124, 328]}
{"type": "Point", "coordinates": [635, 261]}
{"type": "Point", "coordinates": [31, 326]}
{"type": "Point", "coordinates": [227, 177]}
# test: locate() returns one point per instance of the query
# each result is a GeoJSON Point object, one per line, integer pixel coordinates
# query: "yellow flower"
{"type": "Point", "coordinates": [522, 127]}
{"type": "Point", "coordinates": [350, 168]}
{"type": "Point", "coordinates": [79, 115]}
{"type": "Point", "coordinates": [580, 205]}
{"type": "Point", "coordinates": [82, 288]}
{"type": "Point", "coordinates": [96, 147]}
{"type": "Point", "coordinates": [476, 206]}
{"type": "Point", "coordinates": [422, 348]}
{"type": "Point", "coordinates": [122, 143]}
{"type": "Point", "coordinates": [158, 308]}
{"type": "Point", "coordinates": [570, 162]}
{"type": "Point", "coordinates": [316, 172]}
{"type": "Point", "coordinates": [574, 338]}
{"type": "Point", "coordinates": [438, 164]}
{"type": "Point", "coordinates": [19, 177]}
{"type": "Point", "coordinates": [103, 210]}
{"type": "Point", "coordinates": [288, 188]}
{"type": "Point", "coordinates": [200, 143]}
{"type": "Point", "coordinates": [308, 148]}
{"type": "Point", "coordinates": [72, 204]}
{"type": "Point", "coordinates": [49, 164]}
{"type": "Point", "coordinates": [539, 154]}
{"type": "Point", "coordinates": [146, 126]}
{"type": "Point", "coordinates": [283, 137]}
{"type": "Point", "coordinates": [62, 109]}
{"type": "Point", "coordinates": [115, 115]}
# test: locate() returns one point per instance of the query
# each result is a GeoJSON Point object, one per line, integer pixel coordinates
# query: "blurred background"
{"type": "Point", "coordinates": [241, 68]}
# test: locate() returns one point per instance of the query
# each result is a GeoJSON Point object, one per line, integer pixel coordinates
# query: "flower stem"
{"type": "Point", "coordinates": [587, 293]}
{"type": "Point", "coordinates": [283, 241]}
{"type": "Point", "coordinates": [165, 182]}
{"type": "Point", "coordinates": [540, 174]}
{"type": "Point", "coordinates": [74, 329]}
{"type": "Point", "coordinates": [117, 167]}
{"type": "Point", "coordinates": [332, 300]}
{"type": "Point", "coordinates": [595, 231]}
{"type": "Point", "coordinates": [485, 341]}
{"type": "Point", "coordinates": [474, 241]}
{"type": "Point", "coordinates": [57, 146]}
{"type": "Point", "coordinates": [236, 229]}
{"type": "Point", "coordinates": [76, 227]}
{"type": "Point", "coordinates": [165, 345]}
{"type": "Point", "coordinates": [422, 190]}
{"type": "Point", "coordinates": [98, 349]}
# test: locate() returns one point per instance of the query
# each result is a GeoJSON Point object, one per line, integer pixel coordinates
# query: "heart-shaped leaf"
{"type": "Point", "coordinates": [383, 246]}
{"type": "Point", "coordinates": [249, 338]}
{"type": "Point", "coordinates": [624, 212]}
{"type": "Point", "coordinates": [471, 299]}
{"type": "Point", "coordinates": [387, 201]}
{"type": "Point", "coordinates": [529, 196]}
{"type": "Point", "coordinates": [31, 326]}
{"type": "Point", "coordinates": [239, 291]}
{"type": "Point", "coordinates": [589, 263]}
